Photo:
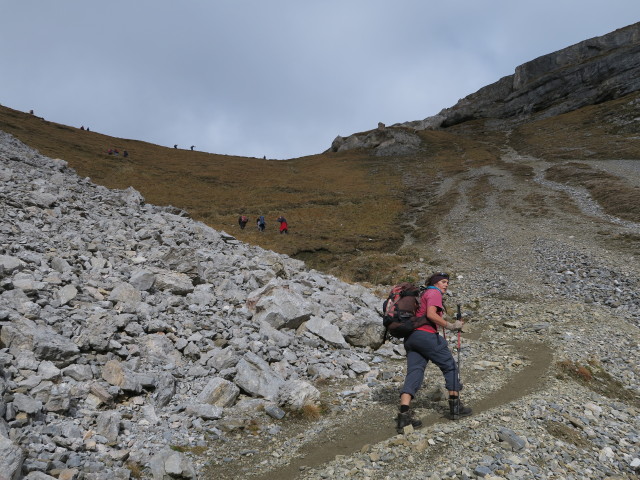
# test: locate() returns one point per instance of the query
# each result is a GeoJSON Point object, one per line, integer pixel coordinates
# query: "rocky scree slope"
{"type": "Point", "coordinates": [127, 329]}
{"type": "Point", "coordinates": [538, 267]}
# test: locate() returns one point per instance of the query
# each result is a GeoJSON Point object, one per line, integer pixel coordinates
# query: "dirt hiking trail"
{"type": "Point", "coordinates": [377, 424]}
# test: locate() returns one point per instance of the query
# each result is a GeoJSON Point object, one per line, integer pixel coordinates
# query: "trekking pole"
{"type": "Point", "coordinates": [458, 317]}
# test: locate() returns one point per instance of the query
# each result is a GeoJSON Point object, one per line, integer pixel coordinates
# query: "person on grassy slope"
{"type": "Point", "coordinates": [284, 227]}
{"type": "Point", "coordinates": [424, 345]}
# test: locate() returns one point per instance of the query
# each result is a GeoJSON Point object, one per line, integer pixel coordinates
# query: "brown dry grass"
{"type": "Point", "coordinates": [348, 212]}
{"type": "Point", "coordinates": [337, 205]}
{"type": "Point", "coordinates": [604, 131]}
{"type": "Point", "coordinates": [616, 196]}
{"type": "Point", "coordinates": [311, 412]}
{"type": "Point", "coordinates": [566, 434]}
{"type": "Point", "coordinates": [594, 376]}
{"type": "Point", "coordinates": [345, 210]}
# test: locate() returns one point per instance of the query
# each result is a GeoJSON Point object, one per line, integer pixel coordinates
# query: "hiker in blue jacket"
{"type": "Point", "coordinates": [260, 222]}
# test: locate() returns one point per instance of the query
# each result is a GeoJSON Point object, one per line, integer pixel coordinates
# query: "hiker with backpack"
{"type": "Point", "coordinates": [284, 227]}
{"type": "Point", "coordinates": [242, 221]}
{"type": "Point", "coordinates": [424, 344]}
{"type": "Point", "coordinates": [261, 223]}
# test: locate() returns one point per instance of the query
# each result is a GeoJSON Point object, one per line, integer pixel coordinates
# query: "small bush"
{"type": "Point", "coordinates": [594, 376]}
{"type": "Point", "coordinates": [311, 412]}
{"type": "Point", "coordinates": [575, 371]}
{"type": "Point", "coordinates": [135, 468]}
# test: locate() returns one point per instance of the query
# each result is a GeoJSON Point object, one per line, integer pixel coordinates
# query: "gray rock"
{"type": "Point", "coordinates": [24, 403]}
{"type": "Point", "coordinates": [482, 471]}
{"type": "Point", "coordinates": [9, 264]}
{"type": "Point", "coordinates": [165, 387]}
{"type": "Point", "coordinates": [176, 283]}
{"type": "Point", "coordinates": [65, 294]}
{"type": "Point", "coordinates": [125, 293]}
{"type": "Point", "coordinates": [219, 392]}
{"type": "Point", "coordinates": [142, 280]}
{"type": "Point", "coordinates": [35, 475]}
{"type": "Point", "coordinates": [516, 442]}
{"type": "Point", "coordinates": [159, 350]}
{"type": "Point", "coordinates": [43, 199]}
{"type": "Point", "coordinates": [325, 330]}
{"type": "Point", "coordinates": [118, 375]}
{"type": "Point", "coordinates": [223, 358]}
{"type": "Point", "coordinates": [132, 197]}
{"type": "Point", "coordinates": [205, 411]}
{"type": "Point", "coordinates": [97, 333]}
{"type": "Point", "coordinates": [274, 412]}
{"type": "Point", "coordinates": [48, 371]}
{"type": "Point", "coordinates": [169, 465]}
{"type": "Point", "coordinates": [282, 308]}
{"type": "Point", "coordinates": [108, 425]}
{"type": "Point", "coordinates": [80, 373]}
{"type": "Point", "coordinates": [46, 344]}
{"type": "Point", "coordinates": [281, 339]}
{"type": "Point", "coordinates": [361, 330]}
{"type": "Point", "coordinates": [256, 377]}
{"type": "Point", "coordinates": [297, 393]}
{"type": "Point", "coordinates": [60, 264]}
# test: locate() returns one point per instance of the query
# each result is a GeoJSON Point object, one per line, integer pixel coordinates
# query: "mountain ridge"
{"type": "Point", "coordinates": [586, 73]}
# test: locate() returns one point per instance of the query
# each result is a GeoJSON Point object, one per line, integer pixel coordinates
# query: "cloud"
{"type": "Point", "coordinates": [279, 78]}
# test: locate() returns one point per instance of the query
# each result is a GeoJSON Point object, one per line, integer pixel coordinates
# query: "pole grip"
{"type": "Point", "coordinates": [459, 317]}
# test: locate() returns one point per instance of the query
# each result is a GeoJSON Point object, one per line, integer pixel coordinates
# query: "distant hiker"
{"type": "Point", "coordinates": [109, 152]}
{"type": "Point", "coordinates": [31, 112]}
{"type": "Point", "coordinates": [175, 146]}
{"type": "Point", "coordinates": [284, 228]}
{"type": "Point", "coordinates": [192, 147]}
{"type": "Point", "coordinates": [260, 222]}
{"type": "Point", "coordinates": [88, 129]}
{"type": "Point", "coordinates": [242, 221]}
{"type": "Point", "coordinates": [424, 345]}
{"type": "Point", "coordinates": [125, 153]}
{"type": "Point", "coordinates": [82, 127]}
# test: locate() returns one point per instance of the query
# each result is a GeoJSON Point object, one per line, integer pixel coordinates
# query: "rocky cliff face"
{"type": "Point", "coordinates": [590, 72]}
{"type": "Point", "coordinates": [127, 328]}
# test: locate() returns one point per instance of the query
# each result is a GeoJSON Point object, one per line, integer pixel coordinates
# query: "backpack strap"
{"type": "Point", "coordinates": [444, 310]}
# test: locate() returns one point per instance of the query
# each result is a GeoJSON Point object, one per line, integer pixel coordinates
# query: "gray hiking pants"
{"type": "Point", "coordinates": [421, 348]}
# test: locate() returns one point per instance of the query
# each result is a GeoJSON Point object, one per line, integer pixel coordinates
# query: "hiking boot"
{"type": "Point", "coordinates": [457, 409]}
{"type": "Point", "coordinates": [405, 419]}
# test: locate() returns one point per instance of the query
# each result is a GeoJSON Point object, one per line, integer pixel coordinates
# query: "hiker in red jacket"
{"type": "Point", "coordinates": [284, 228]}
{"type": "Point", "coordinates": [242, 221]}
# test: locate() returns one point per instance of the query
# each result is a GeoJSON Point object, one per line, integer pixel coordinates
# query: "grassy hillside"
{"type": "Point", "coordinates": [348, 212]}
{"type": "Point", "coordinates": [340, 207]}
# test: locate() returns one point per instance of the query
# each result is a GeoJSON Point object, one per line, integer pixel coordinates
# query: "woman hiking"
{"type": "Point", "coordinates": [284, 227]}
{"type": "Point", "coordinates": [424, 345]}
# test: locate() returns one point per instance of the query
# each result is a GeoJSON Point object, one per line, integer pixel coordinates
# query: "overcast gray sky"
{"type": "Point", "coordinates": [280, 78]}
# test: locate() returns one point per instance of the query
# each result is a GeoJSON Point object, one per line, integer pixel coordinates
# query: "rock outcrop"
{"type": "Point", "coordinates": [587, 73]}
{"type": "Point", "coordinates": [590, 72]}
